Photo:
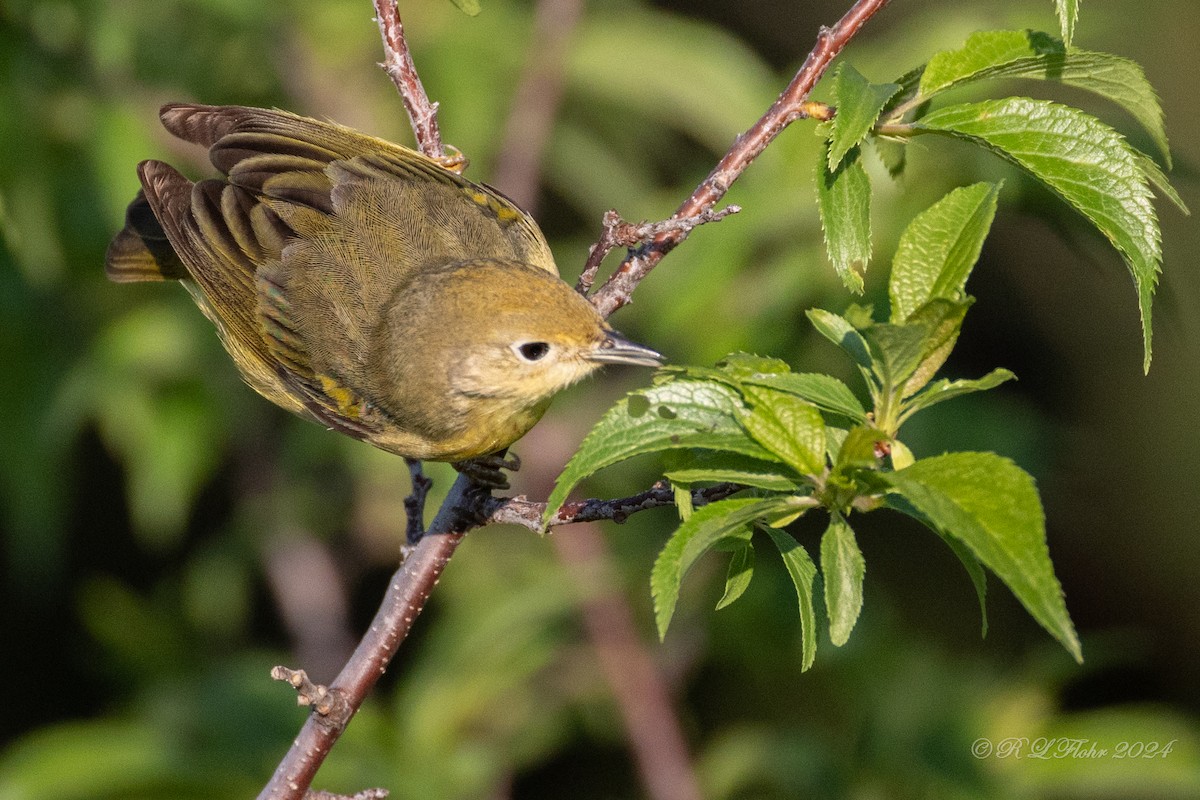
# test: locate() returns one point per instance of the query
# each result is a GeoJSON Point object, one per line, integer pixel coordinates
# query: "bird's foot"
{"type": "Point", "coordinates": [488, 471]}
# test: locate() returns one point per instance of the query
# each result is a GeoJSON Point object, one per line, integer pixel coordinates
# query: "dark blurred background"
{"type": "Point", "coordinates": [167, 535]}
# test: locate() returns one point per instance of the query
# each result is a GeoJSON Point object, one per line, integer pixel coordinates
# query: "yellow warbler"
{"type": "Point", "coordinates": [362, 285]}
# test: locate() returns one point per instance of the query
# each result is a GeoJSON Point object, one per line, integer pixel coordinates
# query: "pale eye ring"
{"type": "Point", "coordinates": [532, 351]}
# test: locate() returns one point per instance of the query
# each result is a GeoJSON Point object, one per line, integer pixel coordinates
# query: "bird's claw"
{"type": "Point", "coordinates": [488, 471]}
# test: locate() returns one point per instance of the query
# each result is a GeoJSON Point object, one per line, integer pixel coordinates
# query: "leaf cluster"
{"type": "Point", "coordinates": [1090, 165]}
{"type": "Point", "coordinates": [800, 442]}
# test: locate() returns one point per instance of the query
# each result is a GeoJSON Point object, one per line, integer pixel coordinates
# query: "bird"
{"type": "Point", "coordinates": [364, 286]}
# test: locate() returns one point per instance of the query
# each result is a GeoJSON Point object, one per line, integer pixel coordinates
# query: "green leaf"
{"type": "Point", "coordinates": [1086, 162]}
{"type": "Point", "coordinates": [746, 365]}
{"type": "Point", "coordinates": [1068, 14]}
{"type": "Point", "coordinates": [844, 203]}
{"type": "Point", "coordinates": [741, 570]}
{"type": "Point", "coordinates": [823, 391]}
{"type": "Point", "coordinates": [469, 7]}
{"type": "Point", "coordinates": [839, 331]}
{"type": "Point", "coordinates": [942, 320]}
{"type": "Point", "coordinates": [943, 390]}
{"type": "Point", "coordinates": [803, 572]}
{"type": "Point", "coordinates": [677, 414]}
{"type": "Point", "coordinates": [702, 530]}
{"type": "Point", "coordinates": [694, 466]}
{"type": "Point", "coordinates": [896, 350]}
{"type": "Point", "coordinates": [683, 499]}
{"type": "Point", "coordinates": [991, 505]}
{"type": "Point", "coordinates": [859, 103]}
{"type": "Point", "coordinates": [1159, 180]}
{"type": "Point", "coordinates": [789, 427]}
{"type": "Point", "coordinates": [1038, 56]}
{"type": "Point", "coordinates": [939, 248]}
{"type": "Point", "coordinates": [842, 569]}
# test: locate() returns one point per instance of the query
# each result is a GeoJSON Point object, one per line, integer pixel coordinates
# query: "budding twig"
{"type": "Point", "coordinates": [619, 233]}
{"type": "Point", "coordinates": [791, 105]}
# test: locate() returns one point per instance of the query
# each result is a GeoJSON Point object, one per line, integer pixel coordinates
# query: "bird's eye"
{"type": "Point", "coordinates": [533, 351]}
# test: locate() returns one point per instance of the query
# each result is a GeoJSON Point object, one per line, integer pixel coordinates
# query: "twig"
{"type": "Point", "coordinates": [528, 513]}
{"type": "Point", "coordinates": [791, 105]}
{"type": "Point", "coordinates": [531, 117]}
{"type": "Point", "coordinates": [406, 596]}
{"type": "Point", "coordinates": [398, 63]}
{"type": "Point", "coordinates": [619, 233]}
{"type": "Point", "coordinates": [308, 693]}
{"type": "Point", "coordinates": [366, 794]}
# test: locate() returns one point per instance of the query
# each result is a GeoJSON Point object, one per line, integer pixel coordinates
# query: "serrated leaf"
{"type": "Point", "coordinates": [1037, 56]}
{"type": "Point", "coordinates": [677, 414]}
{"type": "Point", "coordinates": [469, 7]}
{"type": "Point", "coordinates": [942, 320]}
{"type": "Point", "coordinates": [694, 466]}
{"type": "Point", "coordinates": [842, 570]}
{"type": "Point", "coordinates": [938, 249]}
{"type": "Point", "coordinates": [844, 203]}
{"type": "Point", "coordinates": [859, 103]}
{"type": "Point", "coordinates": [944, 389]}
{"type": "Point", "coordinates": [896, 352]}
{"type": "Point", "coordinates": [970, 563]}
{"type": "Point", "coordinates": [1068, 14]}
{"type": "Point", "coordinates": [789, 427]}
{"type": "Point", "coordinates": [741, 570]}
{"type": "Point", "coordinates": [1159, 180]}
{"type": "Point", "coordinates": [745, 365]}
{"type": "Point", "coordinates": [823, 391]}
{"type": "Point", "coordinates": [704, 529]}
{"type": "Point", "coordinates": [803, 572]}
{"type": "Point", "coordinates": [839, 331]}
{"type": "Point", "coordinates": [991, 505]}
{"type": "Point", "coordinates": [1084, 161]}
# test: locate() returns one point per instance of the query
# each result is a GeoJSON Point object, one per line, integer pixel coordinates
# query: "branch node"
{"type": "Point", "coordinates": [322, 700]}
{"type": "Point", "coordinates": [619, 233]}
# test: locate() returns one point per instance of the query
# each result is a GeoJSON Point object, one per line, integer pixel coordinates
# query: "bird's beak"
{"type": "Point", "coordinates": [616, 349]}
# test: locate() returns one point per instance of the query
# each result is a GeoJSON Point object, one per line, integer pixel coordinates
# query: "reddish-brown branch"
{"type": "Point", "coordinates": [791, 105]}
{"type": "Point", "coordinates": [619, 233]}
{"type": "Point", "coordinates": [406, 596]}
{"type": "Point", "coordinates": [398, 64]}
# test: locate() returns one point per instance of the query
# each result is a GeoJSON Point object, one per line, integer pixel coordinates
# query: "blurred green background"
{"type": "Point", "coordinates": [167, 535]}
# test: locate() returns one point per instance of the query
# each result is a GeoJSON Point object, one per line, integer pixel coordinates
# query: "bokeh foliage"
{"type": "Point", "coordinates": [142, 488]}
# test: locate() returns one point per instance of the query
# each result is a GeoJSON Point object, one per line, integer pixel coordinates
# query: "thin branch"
{"type": "Point", "coordinates": [528, 513]}
{"type": "Point", "coordinates": [406, 595]}
{"type": "Point", "coordinates": [398, 63]}
{"type": "Point", "coordinates": [535, 105]}
{"type": "Point", "coordinates": [619, 233]}
{"type": "Point", "coordinates": [791, 105]}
